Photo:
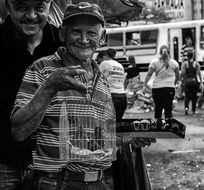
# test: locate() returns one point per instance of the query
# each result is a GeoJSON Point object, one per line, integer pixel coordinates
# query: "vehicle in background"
{"type": "Point", "coordinates": [144, 41]}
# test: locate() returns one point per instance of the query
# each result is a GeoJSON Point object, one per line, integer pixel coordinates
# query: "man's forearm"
{"type": "Point", "coordinates": [26, 120]}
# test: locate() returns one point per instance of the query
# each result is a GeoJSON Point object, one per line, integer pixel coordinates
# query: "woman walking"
{"type": "Point", "coordinates": [190, 72]}
{"type": "Point", "coordinates": [166, 76]}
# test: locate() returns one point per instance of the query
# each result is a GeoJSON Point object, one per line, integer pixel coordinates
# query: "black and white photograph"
{"type": "Point", "coordinates": [102, 95]}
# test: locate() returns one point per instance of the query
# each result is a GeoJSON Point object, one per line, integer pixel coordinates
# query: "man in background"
{"type": "Point", "coordinates": [25, 36]}
{"type": "Point", "coordinates": [187, 47]}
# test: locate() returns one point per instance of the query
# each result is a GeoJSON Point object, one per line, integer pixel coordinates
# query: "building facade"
{"type": "Point", "coordinates": [181, 9]}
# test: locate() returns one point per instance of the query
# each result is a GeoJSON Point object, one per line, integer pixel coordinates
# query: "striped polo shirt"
{"type": "Point", "coordinates": [78, 130]}
{"type": "Point", "coordinates": [184, 51]}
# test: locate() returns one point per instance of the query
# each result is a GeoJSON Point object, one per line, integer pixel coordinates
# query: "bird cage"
{"type": "Point", "coordinates": [85, 135]}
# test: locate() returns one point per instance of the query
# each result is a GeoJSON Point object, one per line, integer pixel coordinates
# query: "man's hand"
{"type": "Point", "coordinates": [64, 79]}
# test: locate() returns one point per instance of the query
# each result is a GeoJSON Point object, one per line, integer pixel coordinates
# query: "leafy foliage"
{"type": "Point", "coordinates": [117, 11]}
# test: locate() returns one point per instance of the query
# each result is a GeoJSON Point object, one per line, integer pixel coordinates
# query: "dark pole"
{"type": "Point", "coordinates": [193, 14]}
{"type": "Point", "coordinates": [202, 4]}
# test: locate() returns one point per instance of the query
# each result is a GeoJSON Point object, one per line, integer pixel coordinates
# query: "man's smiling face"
{"type": "Point", "coordinates": [29, 16]}
{"type": "Point", "coordinates": [82, 36]}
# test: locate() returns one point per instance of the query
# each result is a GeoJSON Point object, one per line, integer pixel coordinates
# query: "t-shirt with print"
{"type": "Point", "coordinates": [115, 74]}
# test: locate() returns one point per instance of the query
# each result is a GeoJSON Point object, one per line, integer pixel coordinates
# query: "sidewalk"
{"type": "Point", "coordinates": [194, 128]}
{"type": "Point", "coordinates": [176, 163]}
{"type": "Point", "coordinates": [178, 112]}
{"type": "Point", "coordinates": [194, 123]}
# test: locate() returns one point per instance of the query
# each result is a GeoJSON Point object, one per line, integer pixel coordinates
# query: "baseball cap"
{"type": "Point", "coordinates": [83, 8]}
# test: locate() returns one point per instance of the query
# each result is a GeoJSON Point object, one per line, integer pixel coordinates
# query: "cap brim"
{"type": "Point", "coordinates": [101, 20]}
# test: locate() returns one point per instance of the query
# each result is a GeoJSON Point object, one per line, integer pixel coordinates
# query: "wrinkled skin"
{"type": "Point", "coordinates": [82, 36]}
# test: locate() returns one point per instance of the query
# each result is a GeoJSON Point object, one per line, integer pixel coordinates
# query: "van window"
{"type": "Point", "coordinates": [141, 37]}
{"type": "Point", "coordinates": [145, 42]}
{"type": "Point", "coordinates": [149, 37]}
{"type": "Point", "coordinates": [202, 37]}
{"type": "Point", "coordinates": [115, 39]}
{"type": "Point", "coordinates": [133, 38]}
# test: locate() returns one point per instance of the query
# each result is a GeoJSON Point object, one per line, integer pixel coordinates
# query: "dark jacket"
{"type": "Point", "coordinates": [15, 58]}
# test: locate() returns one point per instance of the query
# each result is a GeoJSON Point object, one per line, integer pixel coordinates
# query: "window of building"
{"type": "Point", "coordinates": [115, 39]}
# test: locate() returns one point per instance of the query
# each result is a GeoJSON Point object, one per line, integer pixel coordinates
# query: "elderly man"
{"type": "Point", "coordinates": [66, 100]}
{"type": "Point", "coordinates": [25, 36]}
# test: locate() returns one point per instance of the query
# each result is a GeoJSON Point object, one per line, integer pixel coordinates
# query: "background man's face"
{"type": "Point", "coordinates": [189, 41]}
{"type": "Point", "coordinates": [29, 16]}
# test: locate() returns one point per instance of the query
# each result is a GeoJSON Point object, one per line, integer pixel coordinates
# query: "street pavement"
{"type": "Point", "coordinates": [194, 137]}
{"type": "Point", "coordinates": [176, 164]}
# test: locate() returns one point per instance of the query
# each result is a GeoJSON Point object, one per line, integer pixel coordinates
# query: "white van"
{"type": "Point", "coordinates": [144, 41]}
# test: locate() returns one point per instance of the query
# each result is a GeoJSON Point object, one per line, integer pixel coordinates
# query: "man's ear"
{"type": "Point", "coordinates": [61, 34]}
{"type": "Point", "coordinates": [103, 38]}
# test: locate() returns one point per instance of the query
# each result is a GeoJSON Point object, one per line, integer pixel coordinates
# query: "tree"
{"type": "Point", "coordinates": [117, 11]}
